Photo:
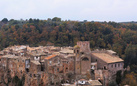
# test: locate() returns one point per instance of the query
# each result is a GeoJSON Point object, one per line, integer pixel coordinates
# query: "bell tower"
{"type": "Point", "coordinates": [84, 46]}
{"type": "Point", "coordinates": [82, 58]}
{"type": "Point", "coordinates": [76, 49]}
{"type": "Point", "coordinates": [77, 59]}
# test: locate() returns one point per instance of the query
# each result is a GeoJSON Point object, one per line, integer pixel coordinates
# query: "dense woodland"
{"type": "Point", "coordinates": [120, 37]}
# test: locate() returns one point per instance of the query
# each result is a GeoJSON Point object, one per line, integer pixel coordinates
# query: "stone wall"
{"type": "Point", "coordinates": [100, 63]}
{"type": "Point", "coordinates": [85, 64]}
{"type": "Point", "coordinates": [84, 46]}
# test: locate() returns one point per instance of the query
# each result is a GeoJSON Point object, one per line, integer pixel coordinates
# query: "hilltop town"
{"type": "Point", "coordinates": [57, 66]}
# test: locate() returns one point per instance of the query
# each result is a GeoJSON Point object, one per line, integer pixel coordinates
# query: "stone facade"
{"type": "Point", "coordinates": [108, 64]}
{"type": "Point", "coordinates": [49, 65]}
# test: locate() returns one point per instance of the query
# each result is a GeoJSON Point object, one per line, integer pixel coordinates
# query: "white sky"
{"type": "Point", "coordinates": [96, 10]}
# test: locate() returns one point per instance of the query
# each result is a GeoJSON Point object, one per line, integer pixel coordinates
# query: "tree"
{"type": "Point", "coordinates": [5, 20]}
{"type": "Point", "coordinates": [56, 19]}
{"type": "Point", "coordinates": [112, 83]}
{"type": "Point", "coordinates": [118, 77]}
{"type": "Point", "coordinates": [18, 82]}
{"type": "Point", "coordinates": [130, 80]}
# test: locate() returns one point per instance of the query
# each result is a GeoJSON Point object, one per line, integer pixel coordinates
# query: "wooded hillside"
{"type": "Point", "coordinates": [120, 37]}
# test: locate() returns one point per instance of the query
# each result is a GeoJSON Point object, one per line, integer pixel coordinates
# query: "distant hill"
{"type": "Point", "coordinates": [120, 37]}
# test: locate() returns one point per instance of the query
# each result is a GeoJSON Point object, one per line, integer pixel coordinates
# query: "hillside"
{"type": "Point", "coordinates": [120, 37]}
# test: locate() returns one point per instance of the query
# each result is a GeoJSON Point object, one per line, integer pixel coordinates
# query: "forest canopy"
{"type": "Point", "coordinates": [120, 37]}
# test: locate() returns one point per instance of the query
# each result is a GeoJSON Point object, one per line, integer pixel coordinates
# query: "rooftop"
{"type": "Point", "coordinates": [34, 48]}
{"type": "Point", "coordinates": [65, 51]}
{"type": "Point", "coordinates": [35, 62]}
{"type": "Point", "coordinates": [110, 51]}
{"type": "Point", "coordinates": [49, 57]}
{"type": "Point", "coordinates": [108, 58]}
{"type": "Point", "coordinates": [9, 56]}
{"type": "Point", "coordinates": [36, 54]}
{"type": "Point", "coordinates": [1, 52]}
{"type": "Point", "coordinates": [95, 83]}
{"type": "Point", "coordinates": [17, 47]}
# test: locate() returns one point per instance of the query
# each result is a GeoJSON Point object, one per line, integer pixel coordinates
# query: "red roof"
{"type": "Point", "coordinates": [50, 57]}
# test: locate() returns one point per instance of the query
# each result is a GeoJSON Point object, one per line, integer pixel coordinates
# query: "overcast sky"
{"type": "Point", "coordinates": [91, 10]}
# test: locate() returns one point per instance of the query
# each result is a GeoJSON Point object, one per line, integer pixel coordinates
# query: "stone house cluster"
{"type": "Point", "coordinates": [53, 66]}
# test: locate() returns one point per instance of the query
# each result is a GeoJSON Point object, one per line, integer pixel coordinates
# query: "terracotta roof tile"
{"type": "Point", "coordinates": [50, 57]}
{"type": "Point", "coordinates": [107, 58]}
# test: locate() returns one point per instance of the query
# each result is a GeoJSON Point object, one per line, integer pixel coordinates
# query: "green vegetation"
{"type": "Point", "coordinates": [18, 82]}
{"type": "Point", "coordinates": [120, 37]}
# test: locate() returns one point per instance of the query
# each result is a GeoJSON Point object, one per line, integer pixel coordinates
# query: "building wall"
{"type": "Point", "coordinates": [114, 67]}
{"type": "Point", "coordinates": [4, 62]}
{"type": "Point", "coordinates": [71, 65]}
{"type": "Point", "coordinates": [20, 67]}
{"type": "Point", "coordinates": [85, 65]}
{"type": "Point", "coordinates": [84, 45]}
{"type": "Point", "coordinates": [100, 63]}
{"type": "Point", "coordinates": [77, 67]}
{"type": "Point", "coordinates": [35, 68]}
{"type": "Point", "coordinates": [12, 67]}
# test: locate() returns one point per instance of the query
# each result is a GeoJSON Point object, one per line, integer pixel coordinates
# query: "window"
{"type": "Point", "coordinates": [58, 69]}
{"type": "Point", "coordinates": [42, 68]}
{"type": "Point", "coordinates": [105, 68]}
{"type": "Point", "coordinates": [118, 65]}
{"type": "Point", "coordinates": [34, 75]}
{"type": "Point", "coordinates": [77, 51]}
{"type": "Point", "coordinates": [82, 52]}
{"type": "Point", "coordinates": [27, 69]}
{"type": "Point", "coordinates": [66, 69]}
{"type": "Point", "coordinates": [85, 59]}
{"type": "Point", "coordinates": [112, 65]}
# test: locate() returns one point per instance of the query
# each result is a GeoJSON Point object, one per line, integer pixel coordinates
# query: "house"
{"type": "Point", "coordinates": [108, 64]}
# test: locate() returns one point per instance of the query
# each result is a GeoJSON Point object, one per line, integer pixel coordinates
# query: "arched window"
{"type": "Point", "coordinates": [85, 59]}
{"type": "Point", "coordinates": [77, 51]}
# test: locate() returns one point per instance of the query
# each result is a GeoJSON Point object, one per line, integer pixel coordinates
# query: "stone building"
{"type": "Point", "coordinates": [108, 64]}
{"type": "Point", "coordinates": [14, 64]}
{"type": "Point", "coordinates": [83, 59]}
{"type": "Point", "coordinates": [49, 65]}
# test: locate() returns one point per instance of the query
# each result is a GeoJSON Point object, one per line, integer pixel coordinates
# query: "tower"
{"type": "Point", "coordinates": [82, 57]}
{"type": "Point", "coordinates": [77, 59]}
{"type": "Point", "coordinates": [84, 46]}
